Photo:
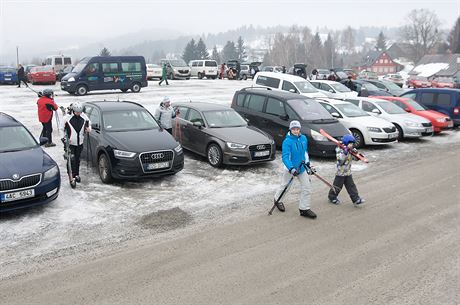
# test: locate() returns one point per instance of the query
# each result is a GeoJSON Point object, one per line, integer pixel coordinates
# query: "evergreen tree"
{"type": "Point", "coordinates": [329, 51]}
{"type": "Point", "coordinates": [229, 51]}
{"type": "Point", "coordinates": [240, 49]}
{"type": "Point", "coordinates": [381, 42]}
{"type": "Point", "coordinates": [190, 51]}
{"type": "Point", "coordinates": [215, 55]}
{"type": "Point", "coordinates": [105, 52]}
{"type": "Point", "coordinates": [316, 52]}
{"type": "Point", "coordinates": [201, 50]}
{"type": "Point", "coordinates": [454, 37]}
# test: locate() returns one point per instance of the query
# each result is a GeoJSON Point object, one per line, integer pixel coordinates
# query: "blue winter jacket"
{"type": "Point", "coordinates": [294, 151]}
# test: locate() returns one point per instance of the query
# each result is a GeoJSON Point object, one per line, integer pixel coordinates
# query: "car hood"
{"type": "Point", "coordinates": [69, 75]}
{"type": "Point", "coordinates": [335, 129]}
{"type": "Point", "coordinates": [408, 116]}
{"type": "Point", "coordinates": [24, 162]}
{"type": "Point", "coordinates": [369, 121]}
{"type": "Point", "coordinates": [141, 140]}
{"type": "Point", "coordinates": [431, 114]}
{"type": "Point", "coordinates": [247, 135]}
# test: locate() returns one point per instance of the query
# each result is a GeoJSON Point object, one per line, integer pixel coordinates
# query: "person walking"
{"type": "Point", "coordinates": [222, 71]}
{"type": "Point", "coordinates": [296, 160]}
{"type": "Point", "coordinates": [343, 175]}
{"type": "Point", "coordinates": [21, 76]}
{"type": "Point", "coordinates": [238, 70]}
{"type": "Point", "coordinates": [349, 83]}
{"type": "Point", "coordinates": [75, 126]}
{"type": "Point", "coordinates": [165, 114]}
{"type": "Point", "coordinates": [164, 75]}
{"type": "Point", "coordinates": [46, 107]}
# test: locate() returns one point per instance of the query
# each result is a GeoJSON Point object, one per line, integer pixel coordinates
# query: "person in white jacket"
{"type": "Point", "coordinates": [75, 126]}
{"type": "Point", "coordinates": [165, 114]}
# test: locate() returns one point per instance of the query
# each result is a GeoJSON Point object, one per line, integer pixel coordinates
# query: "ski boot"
{"type": "Point", "coordinates": [73, 183]}
{"type": "Point", "coordinates": [77, 179]}
{"type": "Point", "coordinates": [335, 201]}
{"type": "Point", "coordinates": [359, 202]}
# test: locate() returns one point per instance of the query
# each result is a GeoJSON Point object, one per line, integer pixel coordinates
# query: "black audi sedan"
{"type": "Point", "coordinates": [221, 135]}
{"type": "Point", "coordinates": [28, 175]}
{"type": "Point", "coordinates": [127, 143]}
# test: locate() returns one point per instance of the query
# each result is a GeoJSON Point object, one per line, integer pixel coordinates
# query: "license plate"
{"type": "Point", "coordinates": [211, 71]}
{"type": "Point", "coordinates": [158, 165]}
{"type": "Point", "coordinates": [46, 75]}
{"type": "Point", "coordinates": [6, 78]}
{"type": "Point", "coordinates": [429, 130]}
{"type": "Point", "coordinates": [17, 195]}
{"type": "Point", "coordinates": [262, 153]}
{"type": "Point", "coordinates": [392, 136]}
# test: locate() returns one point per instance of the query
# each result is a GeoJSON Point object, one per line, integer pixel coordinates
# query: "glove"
{"type": "Point", "coordinates": [293, 172]}
{"type": "Point", "coordinates": [354, 150]}
{"type": "Point", "coordinates": [345, 151]}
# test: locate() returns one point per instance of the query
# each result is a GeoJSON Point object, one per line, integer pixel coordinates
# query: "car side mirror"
{"type": "Point", "coordinates": [407, 109]}
{"type": "Point", "coordinates": [376, 111]}
{"type": "Point", "coordinates": [198, 124]}
{"type": "Point", "coordinates": [284, 117]}
{"type": "Point", "coordinates": [331, 91]}
{"type": "Point", "coordinates": [335, 115]}
{"type": "Point", "coordinates": [95, 126]}
{"type": "Point", "coordinates": [43, 140]}
{"type": "Point", "coordinates": [293, 90]}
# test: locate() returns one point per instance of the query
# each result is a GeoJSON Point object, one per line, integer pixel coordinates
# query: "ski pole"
{"type": "Point", "coordinates": [87, 153]}
{"type": "Point", "coordinates": [333, 187]}
{"type": "Point", "coordinates": [281, 196]}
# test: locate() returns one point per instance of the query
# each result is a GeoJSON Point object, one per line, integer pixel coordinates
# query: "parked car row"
{"type": "Point", "coordinates": [424, 82]}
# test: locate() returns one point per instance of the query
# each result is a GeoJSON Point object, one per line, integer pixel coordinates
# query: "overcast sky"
{"type": "Point", "coordinates": [24, 22]}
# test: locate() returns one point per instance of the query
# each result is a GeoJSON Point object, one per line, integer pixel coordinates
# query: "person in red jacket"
{"type": "Point", "coordinates": [46, 106]}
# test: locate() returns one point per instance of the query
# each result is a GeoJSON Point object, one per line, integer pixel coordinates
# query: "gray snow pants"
{"type": "Point", "coordinates": [339, 181]}
{"type": "Point", "coordinates": [305, 194]}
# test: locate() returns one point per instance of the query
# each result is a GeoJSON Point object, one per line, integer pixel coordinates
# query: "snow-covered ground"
{"type": "Point", "coordinates": [96, 215]}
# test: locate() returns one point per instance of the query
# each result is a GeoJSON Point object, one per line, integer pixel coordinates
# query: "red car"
{"type": "Point", "coordinates": [439, 120]}
{"type": "Point", "coordinates": [418, 82]}
{"type": "Point", "coordinates": [442, 82]}
{"type": "Point", "coordinates": [42, 74]}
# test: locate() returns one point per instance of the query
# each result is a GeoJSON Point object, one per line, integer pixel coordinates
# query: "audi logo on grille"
{"type": "Point", "coordinates": [15, 176]}
{"type": "Point", "coordinates": [157, 156]}
{"type": "Point", "coordinates": [260, 147]}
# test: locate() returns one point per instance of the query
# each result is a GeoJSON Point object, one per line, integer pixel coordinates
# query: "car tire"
{"type": "Point", "coordinates": [136, 87]}
{"type": "Point", "coordinates": [81, 90]}
{"type": "Point", "coordinates": [400, 132]}
{"type": "Point", "coordinates": [214, 155]}
{"type": "Point", "coordinates": [359, 138]}
{"type": "Point", "coordinates": [124, 90]}
{"type": "Point", "coordinates": [105, 169]}
{"type": "Point", "coordinates": [200, 76]}
{"type": "Point", "coordinates": [245, 77]}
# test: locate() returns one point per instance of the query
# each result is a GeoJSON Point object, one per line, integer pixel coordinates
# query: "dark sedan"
{"type": "Point", "coordinates": [387, 86]}
{"type": "Point", "coordinates": [360, 84]}
{"type": "Point", "coordinates": [221, 135]}
{"type": "Point", "coordinates": [28, 176]}
{"type": "Point", "coordinates": [127, 143]}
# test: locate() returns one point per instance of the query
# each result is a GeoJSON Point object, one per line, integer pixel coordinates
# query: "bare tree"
{"type": "Point", "coordinates": [454, 37]}
{"type": "Point", "coordinates": [347, 39]}
{"type": "Point", "coordinates": [421, 31]}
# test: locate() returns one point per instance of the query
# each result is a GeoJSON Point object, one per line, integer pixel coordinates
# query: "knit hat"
{"type": "Point", "coordinates": [294, 124]}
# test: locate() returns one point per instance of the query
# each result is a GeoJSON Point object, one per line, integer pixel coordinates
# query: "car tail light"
{"type": "Point", "coordinates": [456, 110]}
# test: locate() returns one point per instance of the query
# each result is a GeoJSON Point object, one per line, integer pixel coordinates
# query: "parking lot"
{"type": "Point", "coordinates": [96, 216]}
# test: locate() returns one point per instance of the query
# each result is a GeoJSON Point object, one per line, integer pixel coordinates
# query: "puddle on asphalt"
{"type": "Point", "coordinates": [165, 220]}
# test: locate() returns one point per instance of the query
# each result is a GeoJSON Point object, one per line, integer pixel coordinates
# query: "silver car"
{"type": "Point", "coordinates": [221, 135]}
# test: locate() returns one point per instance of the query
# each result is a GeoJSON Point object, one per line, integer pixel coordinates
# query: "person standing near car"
{"type": "Point", "coordinates": [21, 76]}
{"type": "Point", "coordinates": [349, 83]}
{"type": "Point", "coordinates": [296, 160]}
{"type": "Point", "coordinates": [165, 114]}
{"type": "Point", "coordinates": [46, 106]}
{"type": "Point", "coordinates": [238, 70]}
{"type": "Point", "coordinates": [164, 75]}
{"type": "Point", "coordinates": [75, 126]}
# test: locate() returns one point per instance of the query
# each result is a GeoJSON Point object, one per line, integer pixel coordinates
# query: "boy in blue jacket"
{"type": "Point", "coordinates": [295, 157]}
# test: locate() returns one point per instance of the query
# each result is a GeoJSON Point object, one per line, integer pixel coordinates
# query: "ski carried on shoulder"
{"type": "Point", "coordinates": [72, 181]}
{"type": "Point", "coordinates": [353, 152]}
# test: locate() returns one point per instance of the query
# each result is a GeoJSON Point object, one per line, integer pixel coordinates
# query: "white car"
{"type": "Point", "coordinates": [409, 125]}
{"type": "Point", "coordinates": [333, 89]}
{"type": "Point", "coordinates": [153, 71]}
{"type": "Point", "coordinates": [367, 129]}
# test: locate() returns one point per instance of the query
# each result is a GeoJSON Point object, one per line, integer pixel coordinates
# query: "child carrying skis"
{"type": "Point", "coordinates": [343, 176]}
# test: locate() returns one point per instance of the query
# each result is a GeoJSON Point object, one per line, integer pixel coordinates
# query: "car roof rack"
{"type": "Point", "coordinates": [258, 87]}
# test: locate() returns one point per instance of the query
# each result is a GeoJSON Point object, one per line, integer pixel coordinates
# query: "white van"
{"type": "Point", "coordinates": [202, 68]}
{"type": "Point", "coordinates": [286, 82]}
{"type": "Point", "coordinates": [59, 62]}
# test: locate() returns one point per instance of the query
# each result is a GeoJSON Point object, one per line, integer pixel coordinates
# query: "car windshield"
{"type": "Point", "coordinates": [370, 87]}
{"type": "Point", "coordinates": [351, 110]}
{"type": "Point", "coordinates": [416, 105]}
{"type": "Point", "coordinates": [42, 69]}
{"type": "Point", "coordinates": [391, 85]}
{"type": "Point", "coordinates": [177, 63]}
{"type": "Point", "coordinates": [80, 66]}
{"type": "Point", "coordinates": [310, 110]}
{"type": "Point", "coordinates": [127, 120]}
{"type": "Point", "coordinates": [305, 87]}
{"type": "Point", "coordinates": [223, 118]}
{"type": "Point", "coordinates": [15, 138]}
{"type": "Point", "coordinates": [390, 108]}
{"type": "Point", "coordinates": [340, 87]}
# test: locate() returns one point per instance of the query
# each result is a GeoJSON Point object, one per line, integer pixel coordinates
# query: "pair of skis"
{"type": "Point", "coordinates": [353, 152]}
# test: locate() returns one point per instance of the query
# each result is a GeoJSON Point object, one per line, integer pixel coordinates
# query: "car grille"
{"type": "Point", "coordinates": [426, 124]}
{"type": "Point", "coordinates": [390, 130]}
{"type": "Point", "coordinates": [183, 71]}
{"type": "Point", "coordinates": [156, 156]}
{"type": "Point", "coordinates": [24, 182]}
{"type": "Point", "coordinates": [260, 147]}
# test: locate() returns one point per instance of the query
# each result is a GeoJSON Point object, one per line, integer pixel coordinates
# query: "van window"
{"type": "Point", "coordinates": [240, 99]}
{"type": "Point", "coordinates": [58, 61]}
{"type": "Point", "coordinates": [275, 107]}
{"type": "Point", "coordinates": [210, 63]}
{"type": "Point", "coordinates": [255, 102]}
{"type": "Point", "coordinates": [131, 66]}
{"type": "Point", "coordinates": [48, 61]}
{"type": "Point", "coordinates": [427, 98]}
{"type": "Point", "coordinates": [67, 61]}
{"type": "Point", "coordinates": [268, 81]}
{"type": "Point", "coordinates": [443, 100]}
{"type": "Point", "coordinates": [287, 86]}
{"type": "Point", "coordinates": [110, 67]}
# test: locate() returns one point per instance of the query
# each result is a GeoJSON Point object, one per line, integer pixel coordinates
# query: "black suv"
{"type": "Point", "coordinates": [272, 111]}
{"type": "Point", "coordinates": [126, 142]}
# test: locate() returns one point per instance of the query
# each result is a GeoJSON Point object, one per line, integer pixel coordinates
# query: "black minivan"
{"type": "Point", "coordinates": [272, 110]}
{"type": "Point", "coordinates": [106, 73]}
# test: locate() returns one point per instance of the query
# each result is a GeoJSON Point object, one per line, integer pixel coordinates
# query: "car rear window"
{"type": "Point", "coordinates": [268, 81]}
{"type": "Point", "coordinates": [210, 63]}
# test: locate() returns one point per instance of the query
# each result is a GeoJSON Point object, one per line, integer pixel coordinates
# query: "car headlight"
{"type": "Point", "coordinates": [51, 173]}
{"type": "Point", "coordinates": [441, 120]}
{"type": "Point", "coordinates": [412, 124]}
{"type": "Point", "coordinates": [236, 145]}
{"type": "Point", "coordinates": [71, 79]}
{"type": "Point", "coordinates": [123, 154]}
{"type": "Point", "coordinates": [374, 129]}
{"type": "Point", "coordinates": [178, 149]}
{"type": "Point", "coordinates": [317, 136]}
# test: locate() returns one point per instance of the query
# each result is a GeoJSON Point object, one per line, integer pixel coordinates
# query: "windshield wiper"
{"type": "Point", "coordinates": [319, 121]}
